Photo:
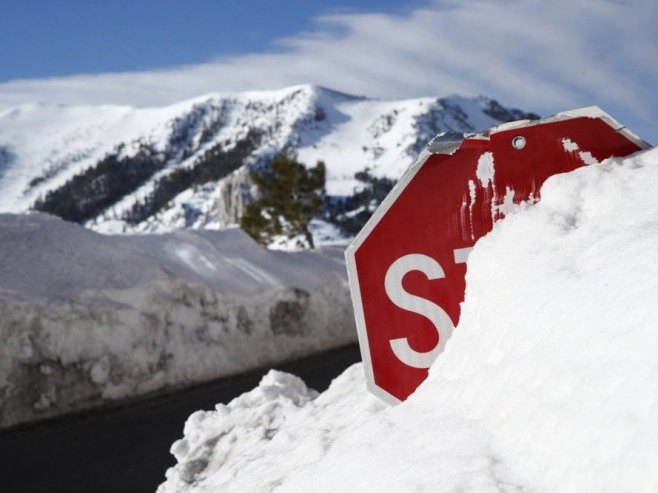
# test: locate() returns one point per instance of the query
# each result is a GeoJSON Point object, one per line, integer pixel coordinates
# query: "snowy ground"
{"type": "Point", "coordinates": [548, 384]}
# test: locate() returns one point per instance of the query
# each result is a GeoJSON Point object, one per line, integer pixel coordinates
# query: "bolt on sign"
{"type": "Point", "coordinates": [407, 266]}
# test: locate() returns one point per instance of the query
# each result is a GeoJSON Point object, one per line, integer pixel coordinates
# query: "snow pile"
{"type": "Point", "coordinates": [250, 444]}
{"type": "Point", "coordinates": [548, 383]}
{"type": "Point", "coordinates": [87, 318]}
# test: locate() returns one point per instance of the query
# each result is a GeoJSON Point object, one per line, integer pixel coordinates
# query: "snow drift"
{"type": "Point", "coordinates": [548, 383]}
{"type": "Point", "coordinates": [87, 318]}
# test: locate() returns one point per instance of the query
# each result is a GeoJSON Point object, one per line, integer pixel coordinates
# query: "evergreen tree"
{"type": "Point", "coordinates": [291, 195]}
{"type": "Point", "coordinates": [95, 189]}
{"type": "Point", "coordinates": [351, 213]}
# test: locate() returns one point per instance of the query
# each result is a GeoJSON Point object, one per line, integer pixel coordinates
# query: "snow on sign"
{"type": "Point", "coordinates": [407, 266]}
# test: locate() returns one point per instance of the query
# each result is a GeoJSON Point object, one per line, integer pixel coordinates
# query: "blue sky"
{"type": "Point", "coordinates": [536, 55]}
{"type": "Point", "coordinates": [47, 38]}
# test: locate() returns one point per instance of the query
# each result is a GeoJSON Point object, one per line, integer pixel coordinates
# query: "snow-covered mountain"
{"type": "Point", "coordinates": [116, 168]}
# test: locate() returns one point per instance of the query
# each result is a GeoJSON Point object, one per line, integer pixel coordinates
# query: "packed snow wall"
{"type": "Point", "coordinates": [88, 318]}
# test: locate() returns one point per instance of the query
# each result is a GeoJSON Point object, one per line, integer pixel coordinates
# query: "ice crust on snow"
{"type": "Point", "coordinates": [547, 384]}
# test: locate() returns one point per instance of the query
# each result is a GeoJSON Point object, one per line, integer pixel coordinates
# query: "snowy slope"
{"type": "Point", "coordinates": [43, 146]}
{"type": "Point", "coordinates": [548, 384]}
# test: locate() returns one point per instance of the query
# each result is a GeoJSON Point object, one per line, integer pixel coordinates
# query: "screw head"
{"type": "Point", "coordinates": [518, 142]}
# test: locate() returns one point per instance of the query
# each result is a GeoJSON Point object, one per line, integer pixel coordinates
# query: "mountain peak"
{"type": "Point", "coordinates": [58, 155]}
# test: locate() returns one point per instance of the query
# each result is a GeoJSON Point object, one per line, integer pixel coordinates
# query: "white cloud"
{"type": "Point", "coordinates": [542, 56]}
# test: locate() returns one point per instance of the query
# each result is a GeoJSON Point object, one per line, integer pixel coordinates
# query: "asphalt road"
{"type": "Point", "coordinates": [125, 448]}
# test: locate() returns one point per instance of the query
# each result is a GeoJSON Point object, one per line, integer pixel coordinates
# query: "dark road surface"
{"type": "Point", "coordinates": [126, 448]}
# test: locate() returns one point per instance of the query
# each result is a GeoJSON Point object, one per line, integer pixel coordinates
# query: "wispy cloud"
{"type": "Point", "coordinates": [541, 56]}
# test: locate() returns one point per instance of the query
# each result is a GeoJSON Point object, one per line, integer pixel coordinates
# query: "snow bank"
{"type": "Point", "coordinates": [249, 444]}
{"type": "Point", "coordinates": [86, 318]}
{"type": "Point", "coordinates": [548, 383]}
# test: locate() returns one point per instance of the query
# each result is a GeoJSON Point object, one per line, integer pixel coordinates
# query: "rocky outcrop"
{"type": "Point", "coordinates": [234, 190]}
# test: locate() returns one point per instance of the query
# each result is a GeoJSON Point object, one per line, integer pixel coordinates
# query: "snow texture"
{"type": "Point", "coordinates": [88, 318]}
{"type": "Point", "coordinates": [547, 384]}
{"type": "Point", "coordinates": [485, 170]}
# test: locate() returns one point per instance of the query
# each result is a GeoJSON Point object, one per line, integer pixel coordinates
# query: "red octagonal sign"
{"type": "Point", "coordinates": [407, 266]}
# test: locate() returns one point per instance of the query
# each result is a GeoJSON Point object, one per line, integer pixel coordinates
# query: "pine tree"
{"type": "Point", "coordinates": [291, 195]}
{"type": "Point", "coordinates": [351, 213]}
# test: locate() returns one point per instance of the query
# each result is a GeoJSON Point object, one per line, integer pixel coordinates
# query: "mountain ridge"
{"type": "Point", "coordinates": [44, 147]}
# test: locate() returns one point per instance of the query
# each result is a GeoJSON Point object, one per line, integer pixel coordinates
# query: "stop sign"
{"type": "Point", "coordinates": [407, 266]}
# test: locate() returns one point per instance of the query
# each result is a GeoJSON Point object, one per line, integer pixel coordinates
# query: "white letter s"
{"type": "Point", "coordinates": [407, 301]}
